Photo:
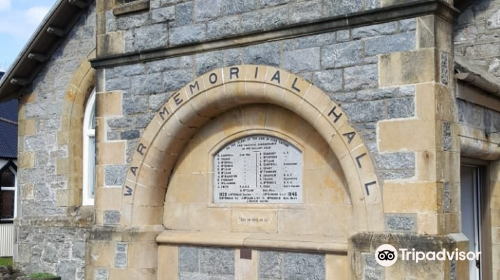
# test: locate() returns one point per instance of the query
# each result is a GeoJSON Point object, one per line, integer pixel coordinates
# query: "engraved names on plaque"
{"type": "Point", "coordinates": [258, 169]}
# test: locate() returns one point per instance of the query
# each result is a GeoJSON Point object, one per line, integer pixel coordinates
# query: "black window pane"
{"type": "Point", "coordinates": [7, 205]}
{"type": "Point", "coordinates": [8, 179]}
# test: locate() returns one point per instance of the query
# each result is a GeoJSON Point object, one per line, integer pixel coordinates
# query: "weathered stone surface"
{"type": "Point", "coordinates": [230, 7]}
{"type": "Point", "coordinates": [400, 108]}
{"type": "Point", "coordinates": [217, 261]}
{"type": "Point", "coordinates": [189, 259]}
{"type": "Point", "coordinates": [223, 27]}
{"type": "Point", "coordinates": [395, 160]}
{"type": "Point", "coordinates": [66, 270]}
{"type": "Point", "coordinates": [298, 266]}
{"type": "Point", "coordinates": [152, 36]}
{"type": "Point", "coordinates": [305, 60]}
{"type": "Point", "coordinates": [401, 222]}
{"type": "Point", "coordinates": [147, 84]}
{"type": "Point", "coordinates": [132, 21]}
{"type": "Point", "coordinates": [361, 77]}
{"type": "Point", "coordinates": [130, 134]}
{"type": "Point", "coordinates": [187, 34]}
{"type": "Point", "coordinates": [374, 30]}
{"type": "Point", "coordinates": [267, 54]}
{"type": "Point", "coordinates": [265, 3]}
{"type": "Point", "coordinates": [114, 175]}
{"type": "Point", "coordinates": [176, 79]}
{"type": "Point", "coordinates": [391, 43]}
{"type": "Point", "coordinates": [184, 14]}
{"type": "Point", "coordinates": [207, 9]}
{"type": "Point", "coordinates": [163, 14]}
{"type": "Point", "coordinates": [371, 269]}
{"type": "Point", "coordinates": [111, 217]}
{"type": "Point", "coordinates": [304, 11]}
{"type": "Point", "coordinates": [208, 61]}
{"type": "Point", "coordinates": [343, 54]}
{"type": "Point", "coordinates": [363, 112]}
{"type": "Point", "coordinates": [264, 19]}
{"type": "Point", "coordinates": [271, 265]}
{"type": "Point", "coordinates": [329, 80]}
{"type": "Point", "coordinates": [134, 104]}
{"type": "Point", "coordinates": [341, 7]}
{"type": "Point", "coordinates": [316, 40]}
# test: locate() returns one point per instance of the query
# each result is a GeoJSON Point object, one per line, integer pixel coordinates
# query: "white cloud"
{"type": "Point", "coordinates": [22, 23]}
{"type": "Point", "coordinates": [4, 5]}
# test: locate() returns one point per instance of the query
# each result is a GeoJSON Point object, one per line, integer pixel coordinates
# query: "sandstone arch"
{"type": "Point", "coordinates": [220, 90]}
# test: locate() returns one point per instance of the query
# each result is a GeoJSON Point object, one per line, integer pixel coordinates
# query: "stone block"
{"type": "Point", "coordinates": [374, 30]}
{"type": "Point", "coordinates": [264, 19]}
{"type": "Point", "coordinates": [207, 10]}
{"type": "Point", "coordinates": [304, 11]}
{"type": "Point", "coordinates": [111, 43]}
{"type": "Point", "coordinates": [208, 61]}
{"type": "Point", "coordinates": [271, 265]}
{"type": "Point", "coordinates": [329, 80]}
{"type": "Point", "coordinates": [406, 134]}
{"type": "Point", "coordinates": [401, 222]}
{"type": "Point", "coordinates": [298, 266]}
{"type": "Point", "coordinates": [150, 37]}
{"type": "Point", "coordinates": [111, 217]}
{"type": "Point", "coordinates": [341, 55]}
{"type": "Point", "coordinates": [223, 27]}
{"type": "Point", "coordinates": [184, 13]}
{"type": "Point", "coordinates": [132, 21]}
{"type": "Point", "coordinates": [231, 7]}
{"type": "Point", "coordinates": [189, 259]}
{"type": "Point", "coordinates": [163, 14]}
{"type": "Point", "coordinates": [304, 60]}
{"type": "Point", "coordinates": [391, 43]}
{"type": "Point", "coordinates": [411, 67]}
{"type": "Point", "coordinates": [114, 175]}
{"type": "Point", "coordinates": [400, 108]}
{"type": "Point", "coordinates": [410, 197]}
{"type": "Point", "coordinates": [217, 261]}
{"type": "Point", "coordinates": [266, 54]}
{"type": "Point", "coordinates": [361, 77]}
{"type": "Point", "coordinates": [268, 3]}
{"type": "Point", "coordinates": [342, 7]}
{"type": "Point", "coordinates": [187, 34]}
{"type": "Point", "coordinates": [363, 112]}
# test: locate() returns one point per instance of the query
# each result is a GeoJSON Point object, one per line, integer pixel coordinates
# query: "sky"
{"type": "Point", "coordinates": [18, 20]}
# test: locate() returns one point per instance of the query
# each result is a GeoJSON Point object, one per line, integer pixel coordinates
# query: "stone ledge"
{"type": "Point", "coordinates": [132, 7]}
{"type": "Point", "coordinates": [285, 242]}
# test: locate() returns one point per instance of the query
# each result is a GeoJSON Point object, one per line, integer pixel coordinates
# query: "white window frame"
{"type": "Point", "coordinates": [88, 133]}
{"type": "Point", "coordinates": [14, 188]}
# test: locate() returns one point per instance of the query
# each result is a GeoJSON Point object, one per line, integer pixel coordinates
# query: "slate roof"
{"type": "Point", "coordinates": [8, 128]}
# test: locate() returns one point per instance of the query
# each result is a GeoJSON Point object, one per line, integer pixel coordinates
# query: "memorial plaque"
{"type": "Point", "coordinates": [258, 169]}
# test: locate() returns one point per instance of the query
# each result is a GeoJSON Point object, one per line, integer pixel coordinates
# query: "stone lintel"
{"type": "Point", "coordinates": [386, 14]}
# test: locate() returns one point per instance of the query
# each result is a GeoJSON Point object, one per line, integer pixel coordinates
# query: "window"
{"type": "Point", "coordinates": [476, 223]}
{"type": "Point", "coordinates": [89, 151]}
{"type": "Point", "coordinates": [7, 194]}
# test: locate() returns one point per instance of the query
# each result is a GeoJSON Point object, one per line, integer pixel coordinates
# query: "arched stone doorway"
{"type": "Point", "coordinates": [219, 108]}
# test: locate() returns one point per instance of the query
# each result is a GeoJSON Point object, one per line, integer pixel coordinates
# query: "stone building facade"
{"type": "Point", "coordinates": [364, 90]}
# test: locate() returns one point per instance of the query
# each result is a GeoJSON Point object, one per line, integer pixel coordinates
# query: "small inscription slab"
{"type": "Point", "coordinates": [258, 169]}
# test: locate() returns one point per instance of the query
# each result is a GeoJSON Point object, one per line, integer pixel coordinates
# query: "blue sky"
{"type": "Point", "coordinates": [18, 21]}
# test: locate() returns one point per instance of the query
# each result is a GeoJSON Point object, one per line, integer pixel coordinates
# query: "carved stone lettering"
{"type": "Point", "coordinates": [358, 158]}
{"type": "Point", "coordinates": [178, 100]}
{"type": "Point", "coordinates": [349, 136]}
{"type": "Point", "coordinates": [367, 185]}
{"type": "Point", "coordinates": [193, 86]}
{"type": "Point", "coordinates": [212, 78]}
{"type": "Point", "coordinates": [133, 169]}
{"type": "Point", "coordinates": [332, 113]}
{"type": "Point", "coordinates": [128, 191]}
{"type": "Point", "coordinates": [258, 169]}
{"type": "Point", "coordinates": [141, 148]}
{"type": "Point", "coordinates": [234, 71]}
{"type": "Point", "coordinates": [276, 77]}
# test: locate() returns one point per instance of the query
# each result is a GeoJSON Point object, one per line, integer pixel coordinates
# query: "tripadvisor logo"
{"type": "Point", "coordinates": [387, 255]}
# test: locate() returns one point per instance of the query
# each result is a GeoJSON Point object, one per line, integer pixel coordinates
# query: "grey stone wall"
{"type": "Point", "coordinates": [477, 116]}
{"type": "Point", "coordinates": [54, 249]}
{"type": "Point", "coordinates": [171, 23]}
{"type": "Point", "coordinates": [342, 63]}
{"type": "Point", "coordinates": [42, 244]}
{"type": "Point", "coordinates": [476, 35]}
{"type": "Point", "coordinates": [206, 263]}
{"type": "Point", "coordinates": [291, 266]}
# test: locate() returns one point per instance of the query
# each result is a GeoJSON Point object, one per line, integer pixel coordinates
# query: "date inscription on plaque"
{"type": "Point", "coordinates": [258, 169]}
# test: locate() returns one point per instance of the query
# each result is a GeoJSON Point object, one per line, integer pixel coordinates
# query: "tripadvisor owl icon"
{"type": "Point", "coordinates": [386, 255]}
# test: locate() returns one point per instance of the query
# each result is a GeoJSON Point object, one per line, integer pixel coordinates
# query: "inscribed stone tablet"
{"type": "Point", "coordinates": [258, 169]}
